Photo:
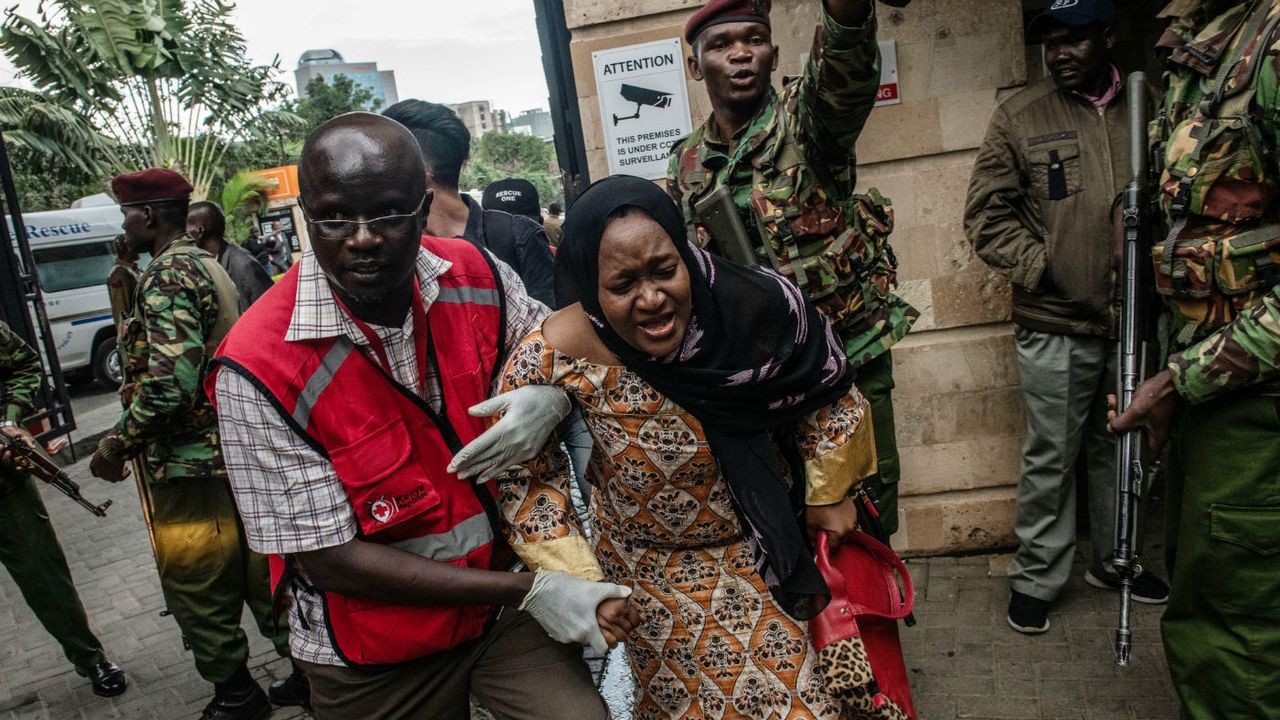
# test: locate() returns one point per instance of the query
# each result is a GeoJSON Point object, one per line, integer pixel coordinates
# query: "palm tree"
{"type": "Point", "coordinates": [167, 82]}
{"type": "Point", "coordinates": [243, 196]}
{"type": "Point", "coordinates": [33, 121]}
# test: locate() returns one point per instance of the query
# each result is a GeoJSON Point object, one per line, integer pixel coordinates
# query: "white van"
{"type": "Point", "coordinates": [73, 255]}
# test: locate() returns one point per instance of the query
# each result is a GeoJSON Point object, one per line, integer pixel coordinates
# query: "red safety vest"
{"type": "Point", "coordinates": [388, 446]}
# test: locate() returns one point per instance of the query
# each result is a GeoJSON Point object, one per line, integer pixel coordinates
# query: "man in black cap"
{"type": "Point", "coordinates": [1039, 212]}
{"type": "Point", "coordinates": [517, 241]}
{"type": "Point", "coordinates": [516, 196]}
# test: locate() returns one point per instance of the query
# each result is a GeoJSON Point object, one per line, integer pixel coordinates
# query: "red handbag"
{"type": "Point", "coordinates": [856, 636]}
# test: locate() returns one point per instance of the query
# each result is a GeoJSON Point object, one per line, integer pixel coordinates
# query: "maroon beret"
{"type": "Point", "coordinates": [716, 12]}
{"type": "Point", "coordinates": [150, 185]}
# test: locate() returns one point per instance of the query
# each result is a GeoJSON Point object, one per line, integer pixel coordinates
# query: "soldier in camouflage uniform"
{"type": "Point", "coordinates": [788, 159]}
{"type": "Point", "coordinates": [1218, 400]}
{"type": "Point", "coordinates": [185, 304]}
{"type": "Point", "coordinates": [29, 549]}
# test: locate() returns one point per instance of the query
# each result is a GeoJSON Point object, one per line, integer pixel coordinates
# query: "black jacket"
{"type": "Point", "coordinates": [517, 241]}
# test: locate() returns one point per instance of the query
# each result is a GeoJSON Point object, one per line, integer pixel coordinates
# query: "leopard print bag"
{"type": "Point", "coordinates": [856, 636]}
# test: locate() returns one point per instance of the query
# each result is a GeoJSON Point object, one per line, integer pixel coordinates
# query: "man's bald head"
{"type": "Point", "coordinates": [364, 194]}
{"type": "Point", "coordinates": [352, 150]}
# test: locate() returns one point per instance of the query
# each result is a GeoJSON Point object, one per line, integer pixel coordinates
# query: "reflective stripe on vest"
{"type": "Point", "coordinates": [465, 294]}
{"type": "Point", "coordinates": [320, 379]}
{"type": "Point", "coordinates": [467, 536]}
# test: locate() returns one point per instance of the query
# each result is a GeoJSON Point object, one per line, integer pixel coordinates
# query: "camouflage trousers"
{"type": "Point", "coordinates": [208, 574]}
{"type": "Point", "coordinates": [1222, 625]}
{"type": "Point", "coordinates": [875, 381]}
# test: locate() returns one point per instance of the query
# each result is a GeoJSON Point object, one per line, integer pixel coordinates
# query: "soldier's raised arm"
{"type": "Point", "coordinates": [838, 88]}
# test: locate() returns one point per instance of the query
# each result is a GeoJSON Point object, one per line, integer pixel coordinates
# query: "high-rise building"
{"type": "Point", "coordinates": [535, 122]}
{"type": "Point", "coordinates": [479, 117]}
{"type": "Point", "coordinates": [328, 63]}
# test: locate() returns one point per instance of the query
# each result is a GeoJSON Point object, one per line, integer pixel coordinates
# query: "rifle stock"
{"type": "Point", "coordinates": [1129, 469]}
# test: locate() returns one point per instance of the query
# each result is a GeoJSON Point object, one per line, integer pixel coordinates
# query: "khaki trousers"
{"type": "Point", "coordinates": [515, 671]}
{"type": "Point", "coordinates": [1065, 382]}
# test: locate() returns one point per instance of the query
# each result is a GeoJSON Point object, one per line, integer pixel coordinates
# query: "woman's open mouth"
{"type": "Point", "coordinates": [658, 329]}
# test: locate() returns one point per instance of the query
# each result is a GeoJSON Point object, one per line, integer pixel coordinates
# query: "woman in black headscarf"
{"type": "Point", "coordinates": [726, 424]}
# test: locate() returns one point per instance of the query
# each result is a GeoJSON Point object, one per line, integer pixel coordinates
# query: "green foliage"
{"type": "Point", "coordinates": [166, 81]}
{"type": "Point", "coordinates": [503, 155]}
{"type": "Point", "coordinates": [327, 100]}
{"type": "Point", "coordinates": [513, 154]}
{"type": "Point", "coordinates": [48, 184]}
{"type": "Point", "coordinates": [243, 196]}
{"type": "Point", "coordinates": [46, 127]}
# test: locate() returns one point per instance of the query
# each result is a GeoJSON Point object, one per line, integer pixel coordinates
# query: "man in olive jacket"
{"type": "Point", "coordinates": [1039, 211]}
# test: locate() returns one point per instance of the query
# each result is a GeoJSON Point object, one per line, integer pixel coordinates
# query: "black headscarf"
{"type": "Point", "coordinates": [756, 357]}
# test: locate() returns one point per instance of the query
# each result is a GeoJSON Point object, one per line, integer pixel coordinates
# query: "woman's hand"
{"type": "Point", "coordinates": [617, 617]}
{"type": "Point", "coordinates": [838, 520]}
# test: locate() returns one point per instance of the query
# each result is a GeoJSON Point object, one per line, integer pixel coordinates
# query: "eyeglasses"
{"type": "Point", "coordinates": [343, 229]}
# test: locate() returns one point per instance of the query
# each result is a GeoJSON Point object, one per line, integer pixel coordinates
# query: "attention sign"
{"type": "Point", "coordinates": [644, 105]}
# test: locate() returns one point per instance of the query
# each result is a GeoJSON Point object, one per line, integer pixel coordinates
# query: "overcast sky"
{"type": "Point", "coordinates": [442, 50]}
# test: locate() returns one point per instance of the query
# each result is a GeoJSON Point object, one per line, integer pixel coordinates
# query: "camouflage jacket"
{"type": "Point", "coordinates": [1218, 135]}
{"type": "Point", "coordinates": [20, 374]}
{"type": "Point", "coordinates": [185, 304]}
{"type": "Point", "coordinates": [792, 171]}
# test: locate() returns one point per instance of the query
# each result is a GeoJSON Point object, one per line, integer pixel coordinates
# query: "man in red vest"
{"type": "Point", "coordinates": [345, 396]}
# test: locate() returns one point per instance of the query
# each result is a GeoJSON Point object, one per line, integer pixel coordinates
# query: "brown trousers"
{"type": "Point", "coordinates": [515, 671]}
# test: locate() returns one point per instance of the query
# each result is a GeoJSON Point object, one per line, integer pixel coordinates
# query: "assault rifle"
{"type": "Point", "coordinates": [1132, 365]}
{"type": "Point", "coordinates": [718, 213]}
{"type": "Point", "coordinates": [24, 458]}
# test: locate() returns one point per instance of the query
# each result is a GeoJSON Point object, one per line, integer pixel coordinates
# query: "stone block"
{"type": "Point", "coordinates": [893, 132]}
{"type": "Point", "coordinates": [956, 361]}
{"type": "Point", "coordinates": [583, 13]}
{"type": "Point", "coordinates": [966, 521]}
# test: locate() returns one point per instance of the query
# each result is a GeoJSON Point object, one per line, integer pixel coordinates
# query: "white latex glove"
{"type": "Point", "coordinates": [565, 606]}
{"type": "Point", "coordinates": [529, 416]}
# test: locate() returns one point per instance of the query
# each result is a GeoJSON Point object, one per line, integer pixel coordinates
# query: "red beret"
{"type": "Point", "coordinates": [727, 11]}
{"type": "Point", "coordinates": [150, 185]}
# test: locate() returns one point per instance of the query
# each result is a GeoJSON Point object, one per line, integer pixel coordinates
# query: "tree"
{"type": "Point", "coordinates": [168, 83]}
{"type": "Point", "coordinates": [513, 154]}
{"type": "Point", "coordinates": [243, 196]}
{"type": "Point", "coordinates": [503, 155]}
{"type": "Point", "coordinates": [327, 100]}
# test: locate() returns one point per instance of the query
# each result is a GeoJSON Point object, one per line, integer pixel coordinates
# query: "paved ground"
{"type": "Point", "coordinates": [963, 659]}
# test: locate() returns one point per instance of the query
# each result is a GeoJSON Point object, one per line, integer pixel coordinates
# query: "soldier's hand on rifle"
{"type": "Point", "coordinates": [108, 461]}
{"type": "Point", "coordinates": [18, 433]}
{"type": "Point", "coordinates": [1152, 410]}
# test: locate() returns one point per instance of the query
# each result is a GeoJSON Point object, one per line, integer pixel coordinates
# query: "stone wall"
{"type": "Point", "coordinates": [960, 417]}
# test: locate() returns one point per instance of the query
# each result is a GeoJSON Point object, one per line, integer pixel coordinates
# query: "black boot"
{"type": "Point", "coordinates": [107, 679]}
{"type": "Point", "coordinates": [293, 691]}
{"type": "Point", "coordinates": [239, 698]}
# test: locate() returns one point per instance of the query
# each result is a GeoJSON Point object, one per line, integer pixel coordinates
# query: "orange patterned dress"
{"type": "Point", "coordinates": [712, 642]}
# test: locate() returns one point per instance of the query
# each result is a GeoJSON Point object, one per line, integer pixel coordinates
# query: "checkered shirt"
{"type": "Point", "coordinates": [289, 496]}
